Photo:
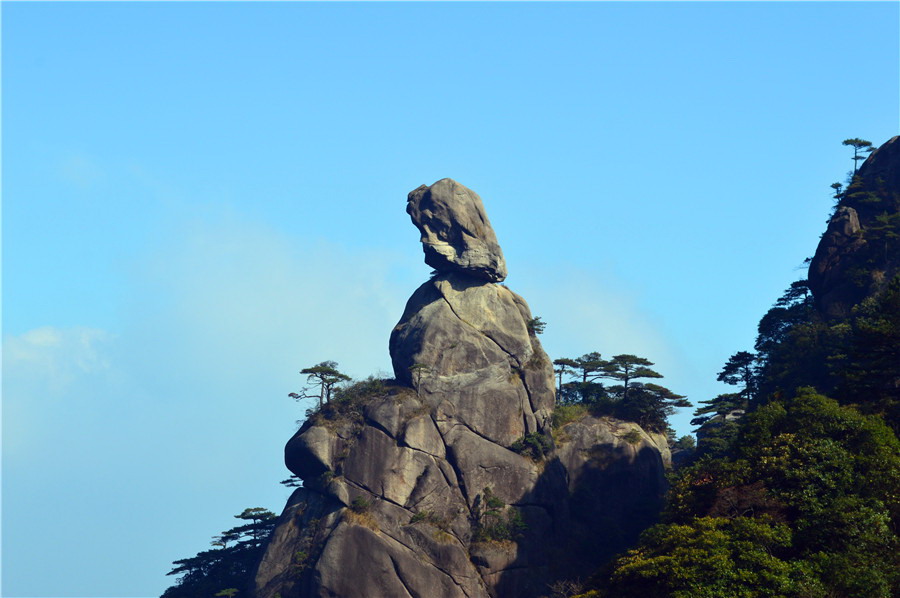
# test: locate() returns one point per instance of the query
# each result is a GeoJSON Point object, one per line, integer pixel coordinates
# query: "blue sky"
{"type": "Point", "coordinates": [200, 199]}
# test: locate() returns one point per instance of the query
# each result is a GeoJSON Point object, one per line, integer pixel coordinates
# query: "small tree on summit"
{"type": "Point", "coordinates": [321, 379]}
{"type": "Point", "coordinates": [859, 145]}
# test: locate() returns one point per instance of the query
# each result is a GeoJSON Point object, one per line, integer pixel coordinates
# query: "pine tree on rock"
{"type": "Point", "coordinates": [858, 145]}
{"type": "Point", "coordinates": [321, 379]}
{"type": "Point", "coordinates": [627, 368]}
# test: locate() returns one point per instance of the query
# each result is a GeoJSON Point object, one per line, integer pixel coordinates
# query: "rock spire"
{"type": "Point", "coordinates": [419, 487]}
{"type": "Point", "coordinates": [456, 233]}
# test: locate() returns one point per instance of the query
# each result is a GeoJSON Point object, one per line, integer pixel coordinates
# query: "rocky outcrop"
{"type": "Point", "coordinates": [419, 487]}
{"type": "Point", "coordinates": [466, 348]}
{"type": "Point", "coordinates": [456, 233]}
{"type": "Point", "coordinates": [860, 250]}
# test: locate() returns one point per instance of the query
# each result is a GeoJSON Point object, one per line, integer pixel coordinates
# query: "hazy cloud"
{"type": "Point", "coordinates": [592, 311]}
{"type": "Point", "coordinates": [238, 304]}
{"type": "Point", "coordinates": [597, 311]}
{"type": "Point", "coordinates": [55, 356]}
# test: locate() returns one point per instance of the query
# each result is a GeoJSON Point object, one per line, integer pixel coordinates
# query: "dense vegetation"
{"type": "Point", "coordinates": [226, 569]}
{"type": "Point", "coordinates": [791, 493]}
{"type": "Point", "coordinates": [627, 398]}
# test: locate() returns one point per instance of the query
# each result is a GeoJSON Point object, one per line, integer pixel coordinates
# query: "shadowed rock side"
{"type": "Point", "coordinates": [859, 252]}
{"type": "Point", "coordinates": [417, 492]}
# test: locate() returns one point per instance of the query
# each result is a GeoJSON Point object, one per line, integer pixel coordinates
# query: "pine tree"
{"type": "Point", "coordinates": [858, 146]}
{"type": "Point", "coordinates": [626, 368]}
{"type": "Point", "coordinates": [230, 565]}
{"type": "Point", "coordinates": [321, 379]}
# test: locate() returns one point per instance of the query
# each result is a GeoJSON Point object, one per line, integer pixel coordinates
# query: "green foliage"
{"type": "Point", "coordinates": [685, 443]}
{"type": "Point", "coordinates": [721, 405]}
{"type": "Point", "coordinates": [871, 371]}
{"type": "Point", "coordinates": [796, 347]}
{"type": "Point", "coordinates": [741, 370]}
{"type": "Point", "coordinates": [566, 414]}
{"type": "Point", "coordinates": [716, 437]}
{"type": "Point", "coordinates": [649, 405]}
{"type": "Point", "coordinates": [431, 518]}
{"type": "Point", "coordinates": [633, 437]}
{"type": "Point", "coordinates": [536, 325]}
{"type": "Point", "coordinates": [360, 505]}
{"type": "Point", "coordinates": [349, 401]}
{"type": "Point", "coordinates": [829, 473]}
{"type": "Point", "coordinates": [709, 558]}
{"type": "Point", "coordinates": [859, 146]}
{"type": "Point", "coordinates": [299, 560]}
{"type": "Point", "coordinates": [857, 360]}
{"type": "Point", "coordinates": [321, 380]}
{"type": "Point", "coordinates": [838, 190]}
{"type": "Point", "coordinates": [800, 497]}
{"type": "Point", "coordinates": [645, 403]}
{"type": "Point", "coordinates": [627, 367]}
{"type": "Point", "coordinates": [292, 482]}
{"type": "Point", "coordinates": [494, 520]}
{"type": "Point", "coordinates": [229, 566]}
{"type": "Point", "coordinates": [533, 445]}
{"type": "Point", "coordinates": [563, 367]}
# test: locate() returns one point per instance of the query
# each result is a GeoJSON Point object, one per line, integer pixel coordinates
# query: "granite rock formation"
{"type": "Point", "coordinates": [858, 255]}
{"type": "Point", "coordinates": [456, 233]}
{"type": "Point", "coordinates": [414, 488]}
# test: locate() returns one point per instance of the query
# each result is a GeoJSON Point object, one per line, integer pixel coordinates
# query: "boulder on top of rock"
{"type": "Point", "coordinates": [456, 233]}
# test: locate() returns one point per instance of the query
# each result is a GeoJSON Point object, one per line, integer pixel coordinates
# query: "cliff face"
{"type": "Point", "coordinates": [423, 488]}
{"type": "Point", "coordinates": [860, 251]}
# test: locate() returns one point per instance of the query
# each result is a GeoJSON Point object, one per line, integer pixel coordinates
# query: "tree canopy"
{"type": "Point", "coordinates": [227, 569]}
{"type": "Point", "coordinates": [321, 380]}
{"type": "Point", "coordinates": [647, 404]}
{"type": "Point", "coordinates": [858, 145]}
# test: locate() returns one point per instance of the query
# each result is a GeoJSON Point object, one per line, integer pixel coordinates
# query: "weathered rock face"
{"type": "Point", "coordinates": [456, 233]}
{"type": "Point", "coordinates": [414, 489]}
{"type": "Point", "coordinates": [858, 255]}
{"type": "Point", "coordinates": [466, 348]}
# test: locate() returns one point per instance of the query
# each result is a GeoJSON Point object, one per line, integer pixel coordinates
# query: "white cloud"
{"type": "Point", "coordinates": [42, 369]}
{"type": "Point", "coordinates": [55, 356]}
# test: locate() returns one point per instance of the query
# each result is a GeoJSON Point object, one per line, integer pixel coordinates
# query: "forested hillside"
{"type": "Point", "coordinates": [794, 489]}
